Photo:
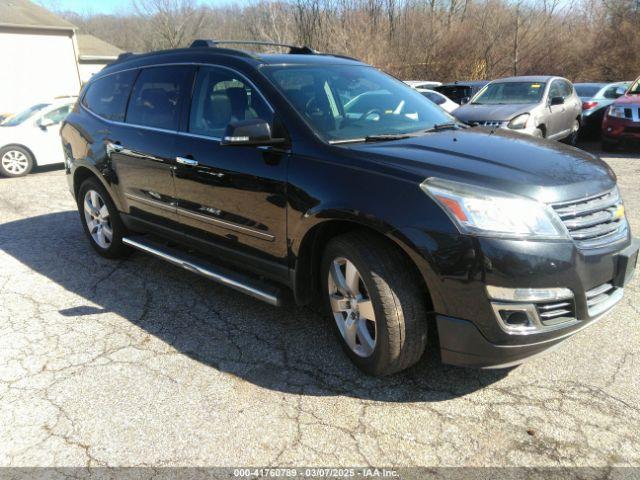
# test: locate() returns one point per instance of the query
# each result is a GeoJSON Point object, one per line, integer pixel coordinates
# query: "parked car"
{"type": "Point", "coordinates": [596, 97]}
{"type": "Point", "coordinates": [461, 91]}
{"type": "Point", "coordinates": [439, 99]}
{"type": "Point", "coordinates": [621, 123]}
{"type": "Point", "coordinates": [32, 137]}
{"type": "Point", "coordinates": [250, 170]}
{"type": "Point", "coordinates": [422, 83]}
{"type": "Point", "coordinates": [544, 107]}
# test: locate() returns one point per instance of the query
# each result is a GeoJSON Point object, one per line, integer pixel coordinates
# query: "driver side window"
{"type": "Point", "coordinates": [554, 90]}
{"type": "Point", "coordinates": [221, 97]}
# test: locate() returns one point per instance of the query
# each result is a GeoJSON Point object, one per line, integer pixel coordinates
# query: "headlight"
{"type": "Point", "coordinates": [481, 211]}
{"type": "Point", "coordinates": [617, 112]}
{"type": "Point", "coordinates": [519, 122]}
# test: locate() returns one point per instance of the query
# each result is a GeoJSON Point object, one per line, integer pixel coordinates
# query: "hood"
{"type": "Point", "coordinates": [503, 113]}
{"type": "Point", "coordinates": [503, 160]}
{"type": "Point", "coordinates": [628, 99]}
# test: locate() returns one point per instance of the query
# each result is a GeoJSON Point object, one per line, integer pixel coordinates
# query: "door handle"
{"type": "Point", "coordinates": [187, 161]}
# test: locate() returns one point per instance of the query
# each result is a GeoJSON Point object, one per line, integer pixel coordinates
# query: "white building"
{"type": "Point", "coordinates": [42, 56]}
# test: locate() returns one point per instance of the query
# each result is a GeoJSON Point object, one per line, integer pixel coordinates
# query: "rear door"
{"type": "Point", "coordinates": [143, 149]}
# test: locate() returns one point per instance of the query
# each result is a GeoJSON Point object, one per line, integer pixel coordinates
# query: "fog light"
{"type": "Point", "coordinates": [517, 318]}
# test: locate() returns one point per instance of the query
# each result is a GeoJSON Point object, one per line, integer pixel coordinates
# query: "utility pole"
{"type": "Point", "coordinates": [515, 41]}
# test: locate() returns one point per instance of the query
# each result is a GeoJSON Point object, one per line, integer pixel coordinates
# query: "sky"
{"type": "Point", "coordinates": [101, 6]}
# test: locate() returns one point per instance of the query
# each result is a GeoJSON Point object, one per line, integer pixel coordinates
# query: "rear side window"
{"type": "Point", "coordinates": [107, 96]}
{"type": "Point", "coordinates": [158, 96]}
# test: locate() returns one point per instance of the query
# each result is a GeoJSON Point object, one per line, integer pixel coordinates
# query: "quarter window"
{"type": "Point", "coordinates": [158, 96]}
{"type": "Point", "coordinates": [221, 97]}
{"type": "Point", "coordinates": [107, 96]}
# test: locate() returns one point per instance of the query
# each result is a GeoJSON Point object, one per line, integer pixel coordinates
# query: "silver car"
{"type": "Point", "coordinates": [541, 106]}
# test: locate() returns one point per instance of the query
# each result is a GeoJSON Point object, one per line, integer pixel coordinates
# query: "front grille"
{"type": "Point", "coordinates": [595, 221]}
{"type": "Point", "coordinates": [558, 311]}
{"type": "Point", "coordinates": [602, 298]}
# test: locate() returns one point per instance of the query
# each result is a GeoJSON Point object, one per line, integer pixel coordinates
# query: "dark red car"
{"type": "Point", "coordinates": [621, 122]}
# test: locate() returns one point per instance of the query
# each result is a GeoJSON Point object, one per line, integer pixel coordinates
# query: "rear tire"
{"type": "Point", "coordinates": [364, 276]}
{"type": "Point", "coordinates": [15, 161]}
{"type": "Point", "coordinates": [572, 139]}
{"type": "Point", "coordinates": [100, 220]}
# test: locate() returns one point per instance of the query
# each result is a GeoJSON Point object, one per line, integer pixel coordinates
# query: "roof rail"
{"type": "Point", "coordinates": [124, 56]}
{"type": "Point", "coordinates": [293, 49]}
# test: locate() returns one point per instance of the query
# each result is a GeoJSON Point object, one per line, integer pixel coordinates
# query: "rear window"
{"type": "Point", "coordinates": [434, 97]}
{"type": "Point", "coordinates": [107, 96]}
{"type": "Point", "coordinates": [587, 91]}
{"type": "Point", "coordinates": [158, 96]}
{"type": "Point", "coordinates": [457, 93]}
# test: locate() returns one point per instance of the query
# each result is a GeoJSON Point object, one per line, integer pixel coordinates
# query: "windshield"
{"type": "Point", "coordinates": [587, 90]}
{"type": "Point", "coordinates": [343, 103]}
{"type": "Point", "coordinates": [19, 118]}
{"type": "Point", "coordinates": [510, 93]}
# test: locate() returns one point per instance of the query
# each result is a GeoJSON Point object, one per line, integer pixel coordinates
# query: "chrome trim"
{"type": "Point", "coordinates": [205, 272]}
{"type": "Point", "coordinates": [606, 303]}
{"type": "Point", "coordinates": [528, 294]}
{"type": "Point", "coordinates": [536, 325]}
{"type": "Point", "coordinates": [151, 203]}
{"type": "Point", "coordinates": [224, 224]}
{"type": "Point", "coordinates": [187, 161]}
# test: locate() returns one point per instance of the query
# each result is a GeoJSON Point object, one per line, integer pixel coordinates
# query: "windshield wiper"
{"type": "Point", "coordinates": [444, 126]}
{"type": "Point", "coordinates": [383, 137]}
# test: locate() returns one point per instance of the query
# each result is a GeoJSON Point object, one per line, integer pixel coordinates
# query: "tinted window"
{"type": "Point", "coordinates": [158, 95]}
{"type": "Point", "coordinates": [434, 97]}
{"type": "Point", "coordinates": [457, 93]}
{"type": "Point", "coordinates": [220, 97]}
{"type": "Point", "coordinates": [108, 95]}
{"type": "Point", "coordinates": [587, 90]}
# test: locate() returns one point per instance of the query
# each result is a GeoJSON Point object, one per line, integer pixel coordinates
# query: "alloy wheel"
{"type": "Point", "coordinates": [352, 307]}
{"type": "Point", "coordinates": [96, 214]}
{"type": "Point", "coordinates": [15, 162]}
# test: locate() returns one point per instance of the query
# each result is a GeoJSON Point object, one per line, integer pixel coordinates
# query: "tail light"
{"type": "Point", "coordinates": [588, 105]}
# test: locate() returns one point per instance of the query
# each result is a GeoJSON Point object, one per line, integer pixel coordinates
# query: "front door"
{"type": "Point", "coordinates": [556, 118]}
{"type": "Point", "coordinates": [46, 141]}
{"type": "Point", "coordinates": [232, 195]}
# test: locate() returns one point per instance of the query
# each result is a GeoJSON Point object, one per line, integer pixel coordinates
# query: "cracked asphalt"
{"type": "Point", "coordinates": [138, 363]}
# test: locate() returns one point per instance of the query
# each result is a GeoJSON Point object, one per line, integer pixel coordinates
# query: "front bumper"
{"type": "Point", "coordinates": [621, 129]}
{"type": "Point", "coordinates": [460, 269]}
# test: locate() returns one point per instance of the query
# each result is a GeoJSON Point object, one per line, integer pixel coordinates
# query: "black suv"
{"type": "Point", "coordinates": [322, 174]}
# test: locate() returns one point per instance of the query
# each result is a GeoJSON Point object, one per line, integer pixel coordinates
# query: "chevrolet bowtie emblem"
{"type": "Point", "coordinates": [619, 213]}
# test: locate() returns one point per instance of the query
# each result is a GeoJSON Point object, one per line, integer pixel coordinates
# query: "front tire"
{"type": "Point", "coordinates": [377, 303]}
{"type": "Point", "coordinates": [15, 161]}
{"type": "Point", "coordinates": [100, 220]}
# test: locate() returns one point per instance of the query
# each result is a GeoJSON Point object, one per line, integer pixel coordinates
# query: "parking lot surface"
{"type": "Point", "coordinates": [136, 362]}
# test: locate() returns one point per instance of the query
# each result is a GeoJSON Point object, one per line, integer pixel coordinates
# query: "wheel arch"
{"type": "Point", "coordinates": [306, 272]}
{"type": "Point", "coordinates": [33, 157]}
{"type": "Point", "coordinates": [83, 172]}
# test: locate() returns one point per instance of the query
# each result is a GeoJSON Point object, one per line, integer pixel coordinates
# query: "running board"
{"type": "Point", "coordinates": [242, 283]}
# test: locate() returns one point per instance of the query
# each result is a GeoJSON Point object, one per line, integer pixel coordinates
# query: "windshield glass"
{"type": "Point", "coordinates": [18, 118]}
{"type": "Point", "coordinates": [510, 93]}
{"type": "Point", "coordinates": [587, 90]}
{"type": "Point", "coordinates": [344, 103]}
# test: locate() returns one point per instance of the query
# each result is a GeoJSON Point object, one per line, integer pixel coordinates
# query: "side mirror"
{"type": "Point", "coordinates": [557, 101]}
{"type": "Point", "coordinates": [620, 91]}
{"type": "Point", "coordinates": [45, 122]}
{"type": "Point", "coordinates": [464, 100]}
{"type": "Point", "coordinates": [249, 132]}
